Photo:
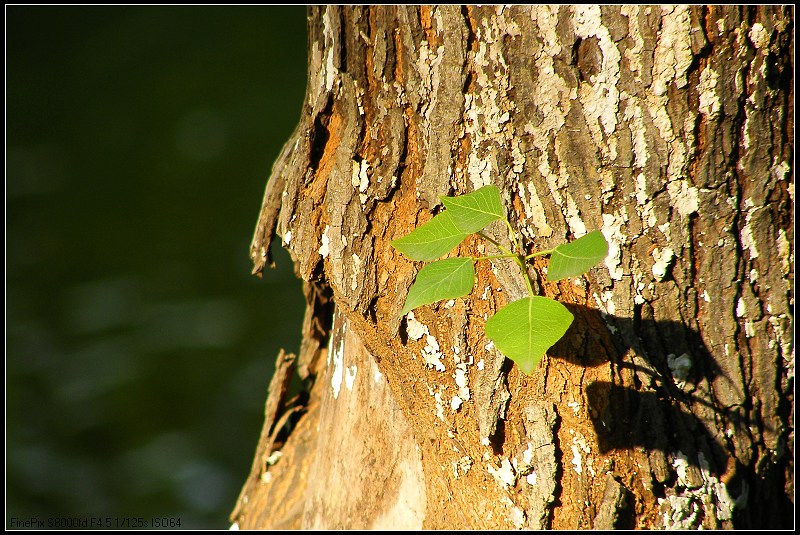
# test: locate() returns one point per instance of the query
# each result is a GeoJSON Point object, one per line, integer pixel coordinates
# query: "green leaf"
{"type": "Point", "coordinates": [435, 238]}
{"type": "Point", "coordinates": [524, 330]}
{"type": "Point", "coordinates": [575, 258]}
{"type": "Point", "coordinates": [473, 211]}
{"type": "Point", "coordinates": [444, 279]}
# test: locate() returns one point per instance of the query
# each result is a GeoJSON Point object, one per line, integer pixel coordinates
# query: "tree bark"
{"type": "Point", "coordinates": [669, 402]}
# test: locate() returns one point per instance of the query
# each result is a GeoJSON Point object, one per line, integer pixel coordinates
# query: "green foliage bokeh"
{"type": "Point", "coordinates": [139, 347]}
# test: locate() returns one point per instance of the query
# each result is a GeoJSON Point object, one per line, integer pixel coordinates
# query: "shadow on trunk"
{"type": "Point", "coordinates": [679, 368]}
{"type": "Point", "coordinates": [662, 418]}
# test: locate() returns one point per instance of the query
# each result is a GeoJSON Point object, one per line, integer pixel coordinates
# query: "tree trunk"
{"type": "Point", "coordinates": [669, 402]}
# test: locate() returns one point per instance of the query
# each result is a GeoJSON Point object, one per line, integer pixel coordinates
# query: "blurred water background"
{"type": "Point", "coordinates": [138, 346]}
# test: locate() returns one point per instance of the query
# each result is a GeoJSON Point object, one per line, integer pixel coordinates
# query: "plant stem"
{"type": "Point", "coordinates": [518, 258]}
{"type": "Point", "coordinates": [492, 241]}
{"type": "Point", "coordinates": [539, 253]}
{"type": "Point", "coordinates": [513, 236]}
{"type": "Point", "coordinates": [521, 263]}
{"type": "Point", "coordinates": [492, 257]}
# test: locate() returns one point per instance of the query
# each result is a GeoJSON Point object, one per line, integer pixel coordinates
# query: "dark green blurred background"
{"type": "Point", "coordinates": [138, 346]}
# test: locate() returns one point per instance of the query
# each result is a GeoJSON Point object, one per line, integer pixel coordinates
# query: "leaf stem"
{"type": "Point", "coordinates": [539, 253]}
{"type": "Point", "coordinates": [521, 263]}
{"type": "Point", "coordinates": [513, 236]}
{"type": "Point", "coordinates": [492, 257]}
{"type": "Point", "coordinates": [492, 241]}
{"type": "Point", "coordinates": [518, 258]}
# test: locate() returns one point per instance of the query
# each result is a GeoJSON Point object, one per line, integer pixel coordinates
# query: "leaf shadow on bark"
{"type": "Point", "coordinates": [655, 416]}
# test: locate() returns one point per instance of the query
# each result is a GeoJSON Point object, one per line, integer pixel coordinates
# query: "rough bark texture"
{"type": "Point", "coordinates": [669, 403]}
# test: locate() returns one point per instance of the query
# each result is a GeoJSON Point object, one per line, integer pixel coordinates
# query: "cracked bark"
{"type": "Point", "coordinates": [669, 403]}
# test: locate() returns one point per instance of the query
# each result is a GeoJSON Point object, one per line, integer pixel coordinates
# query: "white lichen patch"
{"type": "Point", "coordinates": [608, 300]}
{"type": "Point", "coordinates": [782, 337]}
{"type": "Point", "coordinates": [680, 463]}
{"type": "Point", "coordinates": [748, 241]}
{"type": "Point", "coordinates": [648, 215]}
{"type": "Point", "coordinates": [600, 97]}
{"type": "Point", "coordinates": [462, 466]}
{"type": "Point", "coordinates": [436, 394]}
{"type": "Point", "coordinates": [504, 475]}
{"type": "Point", "coordinates": [430, 72]}
{"type": "Point", "coordinates": [287, 238]}
{"type": "Point", "coordinates": [456, 354]}
{"type": "Point", "coordinates": [324, 249]}
{"type": "Point", "coordinates": [679, 512]}
{"type": "Point", "coordinates": [480, 171]}
{"type": "Point", "coordinates": [534, 211]}
{"type": "Point", "coordinates": [336, 363]}
{"type": "Point", "coordinates": [274, 457]}
{"type": "Point", "coordinates": [673, 55]}
{"type": "Point", "coordinates": [527, 455]}
{"type": "Point", "coordinates": [780, 171]}
{"type": "Point", "coordinates": [632, 116]}
{"type": "Point", "coordinates": [360, 178]}
{"type": "Point", "coordinates": [414, 328]}
{"type": "Point", "coordinates": [576, 224]}
{"type": "Point", "coordinates": [680, 366]}
{"type": "Point", "coordinates": [760, 37]}
{"type": "Point", "coordinates": [633, 54]}
{"type": "Point", "coordinates": [488, 112]}
{"type": "Point", "coordinates": [665, 230]}
{"type": "Point", "coordinates": [612, 231]}
{"type": "Point", "coordinates": [601, 305]}
{"type": "Point", "coordinates": [579, 446]}
{"type": "Point", "coordinates": [741, 308]}
{"type": "Point", "coordinates": [749, 329]}
{"type": "Point", "coordinates": [517, 158]}
{"type": "Point", "coordinates": [455, 403]}
{"type": "Point", "coordinates": [350, 376]}
{"type": "Point", "coordinates": [605, 303]}
{"type": "Point", "coordinates": [462, 381]}
{"type": "Point", "coordinates": [329, 69]}
{"type": "Point", "coordinates": [663, 262]}
{"type": "Point", "coordinates": [684, 508]}
{"type": "Point", "coordinates": [486, 292]}
{"type": "Point", "coordinates": [683, 196]}
{"type": "Point", "coordinates": [431, 353]}
{"type": "Point", "coordinates": [709, 104]}
{"type": "Point", "coordinates": [671, 61]}
{"type": "Point", "coordinates": [517, 516]}
{"type": "Point", "coordinates": [576, 459]}
{"type": "Point", "coordinates": [354, 277]}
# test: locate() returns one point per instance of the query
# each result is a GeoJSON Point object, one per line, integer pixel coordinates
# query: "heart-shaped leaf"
{"type": "Point", "coordinates": [524, 330]}
{"type": "Point", "coordinates": [473, 211]}
{"type": "Point", "coordinates": [444, 279]}
{"type": "Point", "coordinates": [435, 238]}
{"type": "Point", "coordinates": [577, 257]}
